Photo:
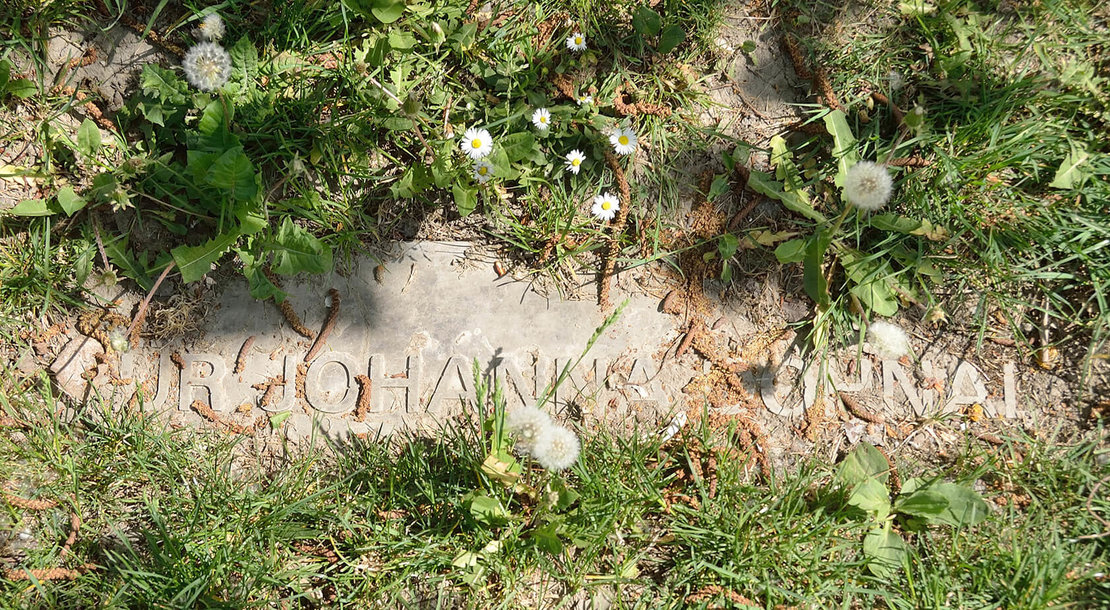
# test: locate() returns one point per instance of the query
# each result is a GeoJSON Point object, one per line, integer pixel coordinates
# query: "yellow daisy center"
{"type": "Point", "coordinates": [605, 205]}
{"type": "Point", "coordinates": [482, 170]}
{"type": "Point", "coordinates": [623, 140]}
{"type": "Point", "coordinates": [543, 119]}
{"type": "Point", "coordinates": [576, 162]}
{"type": "Point", "coordinates": [577, 40]}
{"type": "Point", "coordinates": [476, 143]}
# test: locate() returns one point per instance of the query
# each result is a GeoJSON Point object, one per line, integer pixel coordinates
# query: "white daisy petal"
{"type": "Point", "coordinates": [483, 171]}
{"type": "Point", "coordinates": [574, 161]}
{"type": "Point", "coordinates": [476, 143]}
{"type": "Point", "coordinates": [605, 206]}
{"type": "Point", "coordinates": [541, 118]}
{"type": "Point", "coordinates": [623, 141]}
{"type": "Point", "coordinates": [576, 42]}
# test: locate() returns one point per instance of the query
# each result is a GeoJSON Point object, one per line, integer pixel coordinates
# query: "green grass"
{"type": "Point", "coordinates": [180, 519]}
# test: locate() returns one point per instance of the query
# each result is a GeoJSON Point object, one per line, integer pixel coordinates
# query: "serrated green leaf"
{"type": "Point", "coordinates": [233, 172]}
{"type": "Point", "coordinates": [518, 146]}
{"type": "Point", "coordinates": [120, 256]}
{"type": "Point", "coordinates": [813, 273]}
{"type": "Point", "coordinates": [22, 88]}
{"type": "Point", "coordinates": [727, 245]}
{"type": "Point", "coordinates": [244, 58]}
{"type": "Point", "coordinates": [670, 38]}
{"type": "Point", "coordinates": [195, 261]}
{"type": "Point", "coordinates": [69, 201]}
{"type": "Point", "coordinates": [261, 287]}
{"type": "Point", "coordinates": [5, 75]}
{"type": "Point", "coordinates": [212, 118]}
{"type": "Point", "coordinates": [162, 84]}
{"type": "Point", "coordinates": [88, 139]}
{"type": "Point", "coordinates": [764, 184]}
{"type": "Point", "coordinates": [719, 187]}
{"type": "Point", "coordinates": [296, 250]}
{"type": "Point", "coordinates": [502, 467]}
{"type": "Point", "coordinates": [844, 144]}
{"type": "Point", "coordinates": [646, 22]}
{"type": "Point", "coordinates": [546, 538]}
{"type": "Point", "coordinates": [886, 550]}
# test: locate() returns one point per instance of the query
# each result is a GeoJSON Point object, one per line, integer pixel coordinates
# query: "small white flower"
{"type": "Point", "coordinates": [623, 141]}
{"type": "Point", "coordinates": [483, 171]}
{"type": "Point", "coordinates": [585, 99]}
{"type": "Point", "coordinates": [541, 118]}
{"type": "Point", "coordinates": [605, 206]}
{"type": "Point", "coordinates": [889, 341]}
{"type": "Point", "coordinates": [576, 42]}
{"type": "Point", "coordinates": [556, 448]}
{"type": "Point", "coordinates": [211, 28]}
{"type": "Point", "coordinates": [527, 424]}
{"type": "Point", "coordinates": [207, 66]}
{"type": "Point", "coordinates": [868, 185]}
{"type": "Point", "coordinates": [574, 161]}
{"type": "Point", "coordinates": [476, 143]}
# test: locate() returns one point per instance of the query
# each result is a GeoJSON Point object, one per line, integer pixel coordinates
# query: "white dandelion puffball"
{"type": "Point", "coordinates": [623, 141]}
{"type": "Point", "coordinates": [556, 448]}
{"type": "Point", "coordinates": [476, 143]}
{"type": "Point", "coordinates": [605, 206]}
{"type": "Point", "coordinates": [889, 341]}
{"type": "Point", "coordinates": [576, 42]}
{"type": "Point", "coordinates": [483, 171]}
{"type": "Point", "coordinates": [541, 118]}
{"type": "Point", "coordinates": [585, 99]}
{"type": "Point", "coordinates": [527, 424]}
{"type": "Point", "coordinates": [207, 66]}
{"type": "Point", "coordinates": [868, 185]}
{"type": "Point", "coordinates": [574, 161]}
{"type": "Point", "coordinates": [211, 28]}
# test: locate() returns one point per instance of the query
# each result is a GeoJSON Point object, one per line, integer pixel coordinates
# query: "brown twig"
{"type": "Point", "coordinates": [294, 320]}
{"type": "Point", "coordinates": [616, 229]}
{"type": "Point", "coordinates": [207, 413]}
{"type": "Point", "coordinates": [41, 574]}
{"type": "Point", "coordinates": [711, 591]}
{"type": "Point", "coordinates": [909, 162]}
{"type": "Point", "coordinates": [132, 333]}
{"type": "Point", "coordinates": [858, 410]}
{"type": "Point", "coordinates": [28, 504]}
{"type": "Point", "coordinates": [329, 323]}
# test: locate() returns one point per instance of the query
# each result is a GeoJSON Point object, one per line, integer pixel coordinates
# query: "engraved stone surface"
{"type": "Point", "coordinates": [401, 352]}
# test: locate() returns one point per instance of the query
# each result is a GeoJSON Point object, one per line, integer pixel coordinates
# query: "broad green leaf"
{"type": "Point", "coordinates": [465, 199]}
{"type": "Point", "coordinates": [387, 11]}
{"type": "Point", "coordinates": [813, 273]}
{"type": "Point", "coordinates": [400, 40]}
{"type": "Point", "coordinates": [34, 207]}
{"type": "Point", "coordinates": [260, 286]}
{"type": "Point", "coordinates": [296, 250]}
{"type": "Point", "coordinates": [546, 538]}
{"type": "Point", "coordinates": [719, 187]}
{"type": "Point", "coordinates": [212, 118]}
{"type": "Point", "coordinates": [1071, 174]}
{"type": "Point", "coordinates": [844, 144]}
{"type": "Point", "coordinates": [69, 201]}
{"type": "Point", "coordinates": [793, 251]}
{"type": "Point", "coordinates": [894, 222]}
{"type": "Point", "coordinates": [518, 146]}
{"type": "Point", "coordinates": [244, 58]}
{"type": "Point", "coordinates": [727, 244]}
{"type": "Point", "coordinates": [926, 503]}
{"type": "Point", "coordinates": [886, 550]}
{"type": "Point", "coordinates": [872, 497]}
{"type": "Point", "coordinates": [764, 184]}
{"type": "Point", "coordinates": [397, 123]}
{"type": "Point", "coordinates": [873, 280]}
{"type": "Point", "coordinates": [566, 496]}
{"type": "Point", "coordinates": [22, 88]}
{"type": "Point", "coordinates": [646, 21]}
{"type": "Point", "coordinates": [5, 75]}
{"type": "Point", "coordinates": [916, 8]}
{"type": "Point", "coordinates": [233, 172]}
{"type": "Point", "coordinates": [488, 510]}
{"type": "Point", "coordinates": [195, 261]}
{"type": "Point", "coordinates": [864, 462]}
{"type": "Point", "coordinates": [502, 467]}
{"type": "Point", "coordinates": [965, 505]}
{"type": "Point", "coordinates": [88, 139]}
{"type": "Point", "coordinates": [877, 295]}
{"type": "Point", "coordinates": [670, 38]}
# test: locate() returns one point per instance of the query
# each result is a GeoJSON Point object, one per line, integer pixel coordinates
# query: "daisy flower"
{"type": "Point", "coordinates": [541, 118]}
{"type": "Point", "coordinates": [476, 143]}
{"type": "Point", "coordinates": [868, 185]}
{"type": "Point", "coordinates": [574, 161]}
{"type": "Point", "coordinates": [623, 141]}
{"type": "Point", "coordinates": [576, 42]}
{"type": "Point", "coordinates": [889, 341]}
{"type": "Point", "coordinates": [483, 171]}
{"type": "Point", "coordinates": [211, 28]}
{"type": "Point", "coordinates": [207, 66]}
{"type": "Point", "coordinates": [585, 99]}
{"type": "Point", "coordinates": [605, 206]}
{"type": "Point", "coordinates": [527, 425]}
{"type": "Point", "coordinates": [556, 448]}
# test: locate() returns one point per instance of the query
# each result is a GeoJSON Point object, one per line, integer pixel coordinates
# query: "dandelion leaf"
{"type": "Point", "coordinates": [1071, 172]}
{"type": "Point", "coordinates": [886, 551]}
{"type": "Point", "coordinates": [844, 144]}
{"type": "Point", "coordinates": [296, 250]}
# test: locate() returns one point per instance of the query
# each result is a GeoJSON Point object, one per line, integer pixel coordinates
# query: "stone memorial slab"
{"type": "Point", "coordinates": [393, 345]}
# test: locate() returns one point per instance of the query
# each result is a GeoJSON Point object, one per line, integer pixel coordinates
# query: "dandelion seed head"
{"type": "Point", "coordinates": [556, 448]}
{"type": "Point", "coordinates": [527, 424]}
{"type": "Point", "coordinates": [211, 28]}
{"type": "Point", "coordinates": [868, 185]}
{"type": "Point", "coordinates": [889, 341]}
{"type": "Point", "coordinates": [207, 66]}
